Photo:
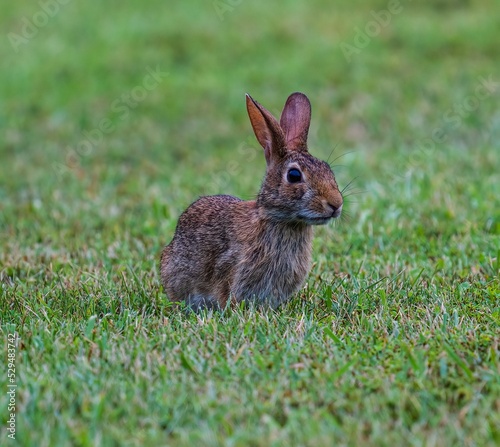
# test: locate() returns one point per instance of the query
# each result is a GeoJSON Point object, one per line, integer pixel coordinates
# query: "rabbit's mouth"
{"type": "Point", "coordinates": [316, 220]}
{"type": "Point", "coordinates": [321, 220]}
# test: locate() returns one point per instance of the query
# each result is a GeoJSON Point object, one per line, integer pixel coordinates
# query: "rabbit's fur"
{"type": "Point", "coordinates": [258, 251]}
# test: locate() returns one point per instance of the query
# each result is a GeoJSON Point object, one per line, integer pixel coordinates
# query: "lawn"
{"type": "Point", "coordinates": [115, 116]}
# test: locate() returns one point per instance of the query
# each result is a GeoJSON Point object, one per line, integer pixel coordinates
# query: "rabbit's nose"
{"type": "Point", "coordinates": [336, 210]}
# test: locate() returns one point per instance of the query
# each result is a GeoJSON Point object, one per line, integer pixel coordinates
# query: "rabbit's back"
{"type": "Point", "coordinates": [197, 265]}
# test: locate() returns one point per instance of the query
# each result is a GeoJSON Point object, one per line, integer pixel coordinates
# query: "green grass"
{"type": "Point", "coordinates": [394, 339]}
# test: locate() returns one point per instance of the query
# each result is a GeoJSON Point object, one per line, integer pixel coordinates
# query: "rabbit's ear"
{"type": "Point", "coordinates": [267, 130]}
{"type": "Point", "coordinates": [295, 120]}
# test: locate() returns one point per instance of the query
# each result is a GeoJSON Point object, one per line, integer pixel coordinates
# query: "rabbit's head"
{"type": "Point", "coordinates": [298, 187]}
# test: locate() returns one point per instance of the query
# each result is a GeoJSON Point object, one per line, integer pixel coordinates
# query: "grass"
{"type": "Point", "coordinates": [394, 338]}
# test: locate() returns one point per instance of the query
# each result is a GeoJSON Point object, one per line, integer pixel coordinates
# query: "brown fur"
{"type": "Point", "coordinates": [259, 251]}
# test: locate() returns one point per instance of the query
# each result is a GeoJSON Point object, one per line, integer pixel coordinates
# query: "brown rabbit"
{"type": "Point", "coordinates": [257, 251]}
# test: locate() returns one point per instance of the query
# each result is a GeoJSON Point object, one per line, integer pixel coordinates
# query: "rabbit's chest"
{"type": "Point", "coordinates": [273, 270]}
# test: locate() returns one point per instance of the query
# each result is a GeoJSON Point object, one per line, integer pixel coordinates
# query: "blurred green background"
{"type": "Point", "coordinates": [405, 104]}
{"type": "Point", "coordinates": [394, 93]}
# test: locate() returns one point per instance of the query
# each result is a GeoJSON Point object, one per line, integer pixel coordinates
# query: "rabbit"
{"type": "Point", "coordinates": [226, 250]}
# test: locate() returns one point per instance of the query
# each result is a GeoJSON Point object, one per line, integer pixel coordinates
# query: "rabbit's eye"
{"type": "Point", "coordinates": [294, 176]}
